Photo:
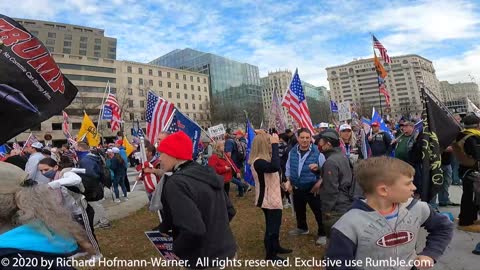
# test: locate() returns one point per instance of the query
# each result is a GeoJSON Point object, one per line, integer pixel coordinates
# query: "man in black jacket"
{"type": "Point", "coordinates": [195, 206]}
{"type": "Point", "coordinates": [380, 142]}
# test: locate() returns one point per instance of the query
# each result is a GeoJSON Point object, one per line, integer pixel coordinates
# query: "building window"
{"type": "Point", "coordinates": [140, 81]}
{"type": "Point", "coordinates": [204, 80]}
{"type": "Point", "coordinates": [161, 93]}
{"type": "Point", "coordinates": [193, 97]}
{"type": "Point", "coordinates": [74, 126]}
{"type": "Point", "coordinates": [205, 89]}
{"type": "Point", "coordinates": [179, 105]}
{"type": "Point", "coordinates": [142, 104]}
{"type": "Point", "coordinates": [50, 41]}
{"type": "Point", "coordinates": [130, 91]}
{"type": "Point", "coordinates": [111, 56]}
{"type": "Point", "coordinates": [56, 126]}
{"type": "Point", "coordinates": [67, 43]}
{"type": "Point", "coordinates": [112, 50]}
{"type": "Point", "coordinates": [185, 96]}
{"type": "Point", "coordinates": [178, 95]}
{"type": "Point", "coordinates": [198, 79]}
{"type": "Point", "coordinates": [97, 54]}
{"type": "Point", "coordinates": [200, 106]}
{"type": "Point", "coordinates": [35, 33]}
{"type": "Point", "coordinates": [150, 72]}
{"type": "Point", "coordinates": [150, 82]}
{"type": "Point", "coordinates": [67, 50]}
{"type": "Point", "coordinates": [159, 73]}
{"type": "Point", "coordinates": [199, 97]}
{"type": "Point", "coordinates": [198, 88]}
{"type": "Point", "coordinates": [184, 77]}
{"type": "Point", "coordinates": [67, 37]}
{"type": "Point", "coordinates": [169, 94]}
{"type": "Point", "coordinates": [206, 98]}
{"type": "Point", "coordinates": [98, 41]}
{"type": "Point", "coordinates": [97, 47]}
{"type": "Point", "coordinates": [82, 45]}
{"type": "Point", "coordinates": [185, 86]}
{"type": "Point", "coordinates": [193, 106]}
{"type": "Point", "coordinates": [192, 87]}
{"type": "Point", "coordinates": [82, 52]}
{"type": "Point", "coordinates": [160, 83]}
{"type": "Point", "coordinates": [132, 116]}
{"type": "Point", "coordinates": [168, 74]}
{"type": "Point", "coordinates": [130, 103]}
{"type": "Point", "coordinates": [177, 85]}
{"type": "Point", "coordinates": [176, 76]}
{"type": "Point", "coordinates": [52, 35]}
{"type": "Point", "coordinates": [129, 69]}
{"type": "Point", "coordinates": [186, 106]}
{"type": "Point", "coordinates": [83, 39]}
{"type": "Point", "coordinates": [129, 80]}
{"type": "Point", "coordinates": [191, 78]}
{"type": "Point", "coordinates": [140, 71]}
{"type": "Point", "coordinates": [140, 92]}
{"type": "Point", "coordinates": [169, 84]}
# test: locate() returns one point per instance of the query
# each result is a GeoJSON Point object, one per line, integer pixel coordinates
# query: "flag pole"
{"type": "Point", "coordinates": [379, 96]}
{"type": "Point", "coordinates": [107, 87]}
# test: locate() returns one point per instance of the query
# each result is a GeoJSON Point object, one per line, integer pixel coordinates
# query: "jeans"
{"type": "Point", "coordinates": [468, 208]}
{"type": "Point", "coordinates": [119, 180]}
{"type": "Point", "coordinates": [443, 195]}
{"type": "Point", "coordinates": [300, 200]}
{"type": "Point", "coordinates": [241, 186]}
{"type": "Point", "coordinates": [455, 177]}
{"type": "Point", "coordinates": [273, 220]}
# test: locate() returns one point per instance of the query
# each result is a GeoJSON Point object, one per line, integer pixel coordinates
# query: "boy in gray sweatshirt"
{"type": "Point", "coordinates": [381, 231]}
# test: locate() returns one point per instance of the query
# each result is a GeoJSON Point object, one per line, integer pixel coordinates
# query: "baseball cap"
{"type": "Point", "coordinates": [238, 132]}
{"type": "Point", "coordinates": [37, 145]}
{"type": "Point", "coordinates": [324, 125]}
{"type": "Point", "coordinates": [375, 124]}
{"type": "Point", "coordinates": [109, 151]}
{"type": "Point", "coordinates": [345, 126]}
{"type": "Point", "coordinates": [330, 135]}
{"type": "Point", "coordinates": [115, 150]}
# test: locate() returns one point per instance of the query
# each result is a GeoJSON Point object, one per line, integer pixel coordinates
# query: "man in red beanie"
{"type": "Point", "coordinates": [195, 206]}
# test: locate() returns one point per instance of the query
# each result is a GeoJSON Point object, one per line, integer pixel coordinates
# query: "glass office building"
{"type": "Point", "coordinates": [234, 86]}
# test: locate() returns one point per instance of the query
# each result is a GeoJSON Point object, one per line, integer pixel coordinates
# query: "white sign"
{"type": "Point", "coordinates": [344, 112]}
{"type": "Point", "coordinates": [216, 131]}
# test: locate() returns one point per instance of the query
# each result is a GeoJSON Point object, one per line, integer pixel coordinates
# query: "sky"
{"type": "Point", "coordinates": [278, 35]}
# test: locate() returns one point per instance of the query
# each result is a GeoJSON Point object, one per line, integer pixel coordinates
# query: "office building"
{"type": "Point", "coordinates": [458, 91]}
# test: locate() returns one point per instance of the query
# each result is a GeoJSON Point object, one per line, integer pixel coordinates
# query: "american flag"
{"type": "Point", "coordinates": [65, 127]}
{"type": "Point", "coordinates": [15, 145]}
{"type": "Point", "coordinates": [113, 104]}
{"type": "Point", "coordinates": [383, 51]}
{"type": "Point", "coordinates": [31, 139]}
{"type": "Point", "coordinates": [173, 127]}
{"type": "Point", "coordinates": [294, 100]}
{"type": "Point", "coordinates": [157, 115]}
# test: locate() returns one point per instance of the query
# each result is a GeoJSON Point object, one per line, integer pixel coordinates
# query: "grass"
{"type": "Point", "coordinates": [126, 238]}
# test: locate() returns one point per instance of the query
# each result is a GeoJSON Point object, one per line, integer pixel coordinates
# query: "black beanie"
{"type": "Point", "coordinates": [471, 121]}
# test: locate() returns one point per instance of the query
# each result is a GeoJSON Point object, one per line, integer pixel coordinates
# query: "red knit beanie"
{"type": "Point", "coordinates": [177, 145]}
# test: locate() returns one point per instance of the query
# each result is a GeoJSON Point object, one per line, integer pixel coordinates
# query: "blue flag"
{"type": "Point", "coordinates": [3, 150]}
{"type": "Point", "coordinates": [383, 127]}
{"type": "Point", "coordinates": [333, 106]}
{"type": "Point", "coordinates": [248, 176]}
{"type": "Point", "coordinates": [107, 113]}
{"type": "Point", "coordinates": [185, 124]}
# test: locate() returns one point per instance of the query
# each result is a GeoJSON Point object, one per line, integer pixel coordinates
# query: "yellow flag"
{"type": "Point", "coordinates": [378, 66]}
{"type": "Point", "coordinates": [128, 147]}
{"type": "Point", "coordinates": [89, 131]}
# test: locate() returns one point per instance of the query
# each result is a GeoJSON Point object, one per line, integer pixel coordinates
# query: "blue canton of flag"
{"type": "Point", "coordinates": [173, 127]}
{"type": "Point", "coordinates": [107, 113]}
{"type": "Point", "coordinates": [248, 172]}
{"type": "Point", "coordinates": [180, 122]}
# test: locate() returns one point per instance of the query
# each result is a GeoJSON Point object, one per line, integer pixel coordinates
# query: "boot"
{"type": "Point", "coordinates": [277, 247]}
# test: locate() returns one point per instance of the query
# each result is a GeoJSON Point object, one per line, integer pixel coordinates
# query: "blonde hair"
{"type": "Point", "coordinates": [39, 203]}
{"type": "Point", "coordinates": [218, 152]}
{"type": "Point", "coordinates": [261, 148]}
{"type": "Point", "coordinates": [377, 170]}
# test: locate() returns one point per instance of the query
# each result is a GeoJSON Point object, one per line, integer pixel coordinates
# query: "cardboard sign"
{"type": "Point", "coordinates": [164, 244]}
{"type": "Point", "coordinates": [216, 131]}
{"type": "Point", "coordinates": [344, 112]}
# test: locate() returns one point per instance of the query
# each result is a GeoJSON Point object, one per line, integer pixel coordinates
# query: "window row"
{"type": "Point", "coordinates": [160, 74]}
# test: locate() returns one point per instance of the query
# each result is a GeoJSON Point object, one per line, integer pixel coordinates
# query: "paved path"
{"type": "Point", "coordinates": [458, 255]}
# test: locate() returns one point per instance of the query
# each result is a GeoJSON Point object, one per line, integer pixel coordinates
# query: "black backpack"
{"type": "Point", "coordinates": [241, 148]}
{"type": "Point", "coordinates": [93, 187]}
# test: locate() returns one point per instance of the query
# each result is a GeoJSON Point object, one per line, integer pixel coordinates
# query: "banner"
{"type": "Point", "coordinates": [344, 112]}
{"type": "Point", "coordinates": [185, 124]}
{"type": "Point", "coordinates": [89, 131]}
{"type": "Point", "coordinates": [32, 87]}
{"type": "Point", "coordinates": [107, 113]}
{"type": "Point", "coordinates": [216, 131]}
{"type": "Point", "coordinates": [129, 148]}
{"type": "Point", "coordinates": [163, 244]}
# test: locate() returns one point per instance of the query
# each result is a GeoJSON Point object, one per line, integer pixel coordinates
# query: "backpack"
{"type": "Point", "coordinates": [241, 149]}
{"type": "Point", "coordinates": [106, 178]}
{"type": "Point", "coordinates": [93, 188]}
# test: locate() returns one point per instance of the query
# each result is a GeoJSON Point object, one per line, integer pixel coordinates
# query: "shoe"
{"type": "Point", "coordinates": [104, 225]}
{"type": "Point", "coordinates": [249, 188]}
{"type": "Point", "coordinates": [476, 251]}
{"type": "Point", "coordinates": [298, 231]}
{"type": "Point", "coordinates": [453, 204]}
{"type": "Point", "coordinates": [117, 201]}
{"type": "Point", "coordinates": [282, 250]}
{"type": "Point", "coordinates": [470, 228]}
{"type": "Point", "coordinates": [321, 240]}
{"type": "Point", "coordinates": [125, 198]}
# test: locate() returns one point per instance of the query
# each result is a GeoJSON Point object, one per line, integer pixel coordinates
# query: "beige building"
{"type": "Point", "coordinates": [458, 91]}
{"type": "Point", "coordinates": [357, 81]}
{"type": "Point", "coordinates": [72, 39]}
{"type": "Point", "coordinates": [279, 81]}
{"type": "Point", "coordinates": [130, 82]}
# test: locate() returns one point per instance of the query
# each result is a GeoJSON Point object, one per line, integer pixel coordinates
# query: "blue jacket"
{"type": "Point", "coordinates": [92, 165]}
{"type": "Point", "coordinates": [297, 169]}
{"type": "Point", "coordinates": [364, 234]}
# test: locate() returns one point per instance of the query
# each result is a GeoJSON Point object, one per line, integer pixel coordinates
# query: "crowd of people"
{"type": "Point", "coordinates": [365, 203]}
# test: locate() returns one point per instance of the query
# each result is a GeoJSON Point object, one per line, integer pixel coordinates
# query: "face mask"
{"type": "Point", "coordinates": [50, 174]}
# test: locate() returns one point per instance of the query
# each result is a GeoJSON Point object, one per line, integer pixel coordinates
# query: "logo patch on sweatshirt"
{"type": "Point", "coordinates": [395, 239]}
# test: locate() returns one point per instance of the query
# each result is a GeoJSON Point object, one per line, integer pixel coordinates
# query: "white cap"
{"type": "Point", "coordinates": [109, 151]}
{"type": "Point", "coordinates": [345, 126]}
{"type": "Point", "coordinates": [115, 150]}
{"type": "Point", "coordinates": [323, 125]}
{"type": "Point", "coordinates": [37, 145]}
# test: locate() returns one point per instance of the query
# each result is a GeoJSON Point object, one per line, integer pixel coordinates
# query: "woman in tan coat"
{"type": "Point", "coordinates": [265, 164]}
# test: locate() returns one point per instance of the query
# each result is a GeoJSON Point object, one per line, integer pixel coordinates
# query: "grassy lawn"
{"type": "Point", "coordinates": [126, 238]}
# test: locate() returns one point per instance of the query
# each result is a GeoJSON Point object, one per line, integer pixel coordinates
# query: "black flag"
{"type": "Point", "coordinates": [32, 87]}
{"type": "Point", "coordinates": [439, 131]}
